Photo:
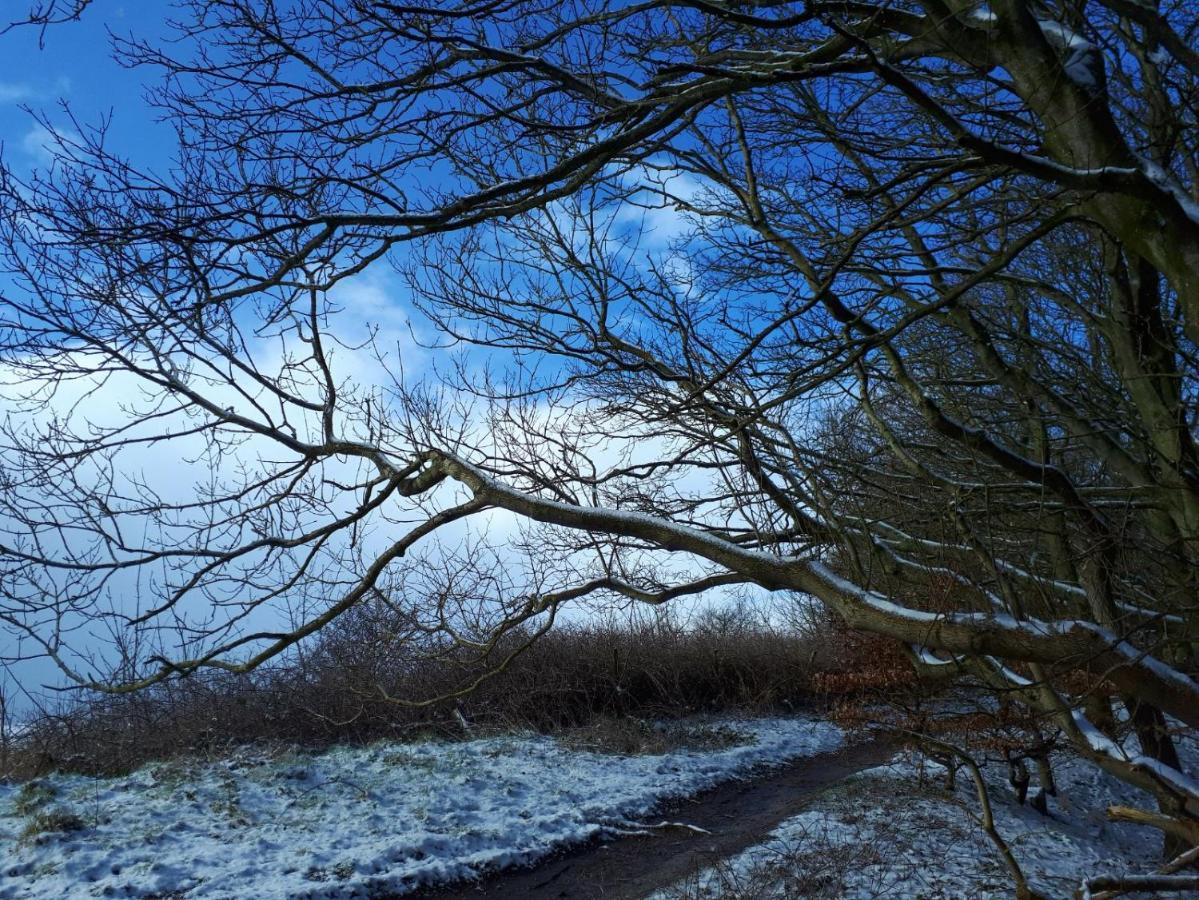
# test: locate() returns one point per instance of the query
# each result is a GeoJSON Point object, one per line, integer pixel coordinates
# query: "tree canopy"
{"type": "Point", "coordinates": [891, 305]}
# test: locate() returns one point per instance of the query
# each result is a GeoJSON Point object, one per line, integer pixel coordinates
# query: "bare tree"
{"type": "Point", "coordinates": [846, 300]}
{"type": "Point", "coordinates": [44, 13]}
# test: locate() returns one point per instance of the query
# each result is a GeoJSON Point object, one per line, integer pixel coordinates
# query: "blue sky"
{"type": "Point", "coordinates": [75, 65]}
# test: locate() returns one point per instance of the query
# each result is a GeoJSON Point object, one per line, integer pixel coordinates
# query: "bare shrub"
{"type": "Point", "coordinates": [629, 735]}
{"type": "Point", "coordinates": [599, 684]}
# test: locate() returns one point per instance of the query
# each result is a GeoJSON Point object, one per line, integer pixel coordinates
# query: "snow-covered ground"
{"type": "Point", "coordinates": [895, 831]}
{"type": "Point", "coordinates": [391, 817]}
{"type": "Point", "coordinates": [349, 822]}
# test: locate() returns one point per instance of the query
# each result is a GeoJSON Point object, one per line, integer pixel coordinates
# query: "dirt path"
{"type": "Point", "coordinates": [737, 814]}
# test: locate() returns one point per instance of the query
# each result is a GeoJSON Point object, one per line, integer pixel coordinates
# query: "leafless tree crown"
{"type": "Point", "coordinates": [894, 305]}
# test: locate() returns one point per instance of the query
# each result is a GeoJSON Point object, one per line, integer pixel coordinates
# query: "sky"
{"type": "Point", "coordinates": [73, 66]}
{"type": "Point", "coordinates": [68, 74]}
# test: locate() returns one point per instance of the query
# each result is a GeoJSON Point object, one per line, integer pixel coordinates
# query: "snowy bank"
{"type": "Point", "coordinates": [895, 831]}
{"type": "Point", "coordinates": [352, 821]}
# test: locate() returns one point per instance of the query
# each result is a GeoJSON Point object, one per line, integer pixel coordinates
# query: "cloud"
{"type": "Point", "coordinates": [26, 91]}
{"type": "Point", "coordinates": [16, 91]}
{"type": "Point", "coordinates": [39, 142]}
{"type": "Point", "coordinates": [654, 206]}
{"type": "Point", "coordinates": [177, 470]}
{"type": "Point", "coordinates": [42, 145]}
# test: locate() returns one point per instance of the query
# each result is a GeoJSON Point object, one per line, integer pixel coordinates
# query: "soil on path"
{"type": "Point", "coordinates": [736, 815]}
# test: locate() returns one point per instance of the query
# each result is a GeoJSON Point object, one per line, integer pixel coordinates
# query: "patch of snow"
{"type": "Point", "coordinates": [1013, 677]}
{"type": "Point", "coordinates": [868, 597]}
{"type": "Point", "coordinates": [928, 658]}
{"type": "Point", "coordinates": [1096, 739]}
{"type": "Point", "coordinates": [1150, 614]}
{"type": "Point", "coordinates": [1083, 63]}
{"type": "Point", "coordinates": [1135, 655]}
{"type": "Point", "coordinates": [890, 832]}
{"type": "Point", "coordinates": [354, 821]}
{"type": "Point", "coordinates": [1168, 183]}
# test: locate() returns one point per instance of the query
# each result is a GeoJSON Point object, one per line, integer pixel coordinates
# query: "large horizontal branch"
{"type": "Point", "coordinates": [1074, 643]}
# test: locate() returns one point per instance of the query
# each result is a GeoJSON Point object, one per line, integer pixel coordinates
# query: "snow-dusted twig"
{"type": "Point", "coordinates": [627, 828]}
{"type": "Point", "coordinates": [1115, 886]}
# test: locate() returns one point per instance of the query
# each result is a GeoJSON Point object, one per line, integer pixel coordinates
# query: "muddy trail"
{"type": "Point", "coordinates": [735, 815]}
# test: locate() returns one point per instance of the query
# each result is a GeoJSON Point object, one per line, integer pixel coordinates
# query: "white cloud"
{"type": "Point", "coordinates": [26, 91]}
{"type": "Point", "coordinates": [16, 91]}
{"type": "Point", "coordinates": [39, 143]}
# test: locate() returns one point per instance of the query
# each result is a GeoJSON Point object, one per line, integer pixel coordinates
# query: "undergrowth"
{"type": "Point", "coordinates": [598, 686]}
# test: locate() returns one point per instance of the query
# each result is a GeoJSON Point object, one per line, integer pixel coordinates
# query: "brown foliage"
{"type": "Point", "coordinates": [863, 664]}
